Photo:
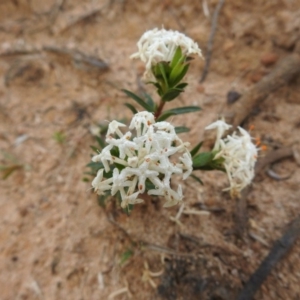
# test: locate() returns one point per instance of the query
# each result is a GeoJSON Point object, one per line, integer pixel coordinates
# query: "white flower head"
{"type": "Point", "coordinates": [221, 127]}
{"type": "Point", "coordinates": [159, 45]}
{"type": "Point", "coordinates": [113, 127]}
{"type": "Point", "coordinates": [239, 154]}
{"type": "Point", "coordinates": [150, 157]}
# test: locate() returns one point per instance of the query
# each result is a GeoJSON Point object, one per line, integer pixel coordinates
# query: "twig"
{"type": "Point", "coordinates": [148, 245]}
{"type": "Point", "coordinates": [241, 217]}
{"type": "Point", "coordinates": [167, 250]}
{"type": "Point", "coordinates": [198, 242]}
{"type": "Point", "coordinates": [211, 40]}
{"type": "Point", "coordinates": [78, 14]}
{"type": "Point", "coordinates": [271, 173]}
{"type": "Point", "coordinates": [279, 249]}
{"type": "Point", "coordinates": [118, 292]}
{"type": "Point", "coordinates": [272, 157]}
{"type": "Point", "coordinates": [81, 60]}
{"type": "Point", "coordinates": [111, 219]}
{"type": "Point", "coordinates": [285, 71]}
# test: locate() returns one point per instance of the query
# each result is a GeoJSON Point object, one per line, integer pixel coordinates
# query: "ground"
{"type": "Point", "coordinates": [56, 242]}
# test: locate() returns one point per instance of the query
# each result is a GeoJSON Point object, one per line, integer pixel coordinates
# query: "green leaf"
{"type": "Point", "coordinates": [125, 256]}
{"type": "Point", "coordinates": [8, 170]}
{"type": "Point", "coordinates": [181, 85]}
{"type": "Point", "coordinates": [139, 100]}
{"type": "Point", "coordinates": [171, 94]}
{"type": "Point", "coordinates": [163, 73]}
{"type": "Point", "coordinates": [102, 199]}
{"type": "Point", "coordinates": [100, 142]}
{"type": "Point", "coordinates": [149, 185]}
{"type": "Point", "coordinates": [196, 178]}
{"type": "Point", "coordinates": [196, 149]}
{"type": "Point", "coordinates": [181, 129]}
{"type": "Point", "coordinates": [164, 116]}
{"type": "Point", "coordinates": [176, 71]}
{"type": "Point", "coordinates": [177, 111]}
{"type": "Point", "coordinates": [181, 73]}
{"type": "Point", "coordinates": [150, 101]}
{"type": "Point", "coordinates": [202, 159]}
{"type": "Point", "coordinates": [95, 149]}
{"type": "Point", "coordinates": [177, 56]}
{"type": "Point", "coordinates": [131, 107]}
{"type": "Point", "coordinates": [95, 167]}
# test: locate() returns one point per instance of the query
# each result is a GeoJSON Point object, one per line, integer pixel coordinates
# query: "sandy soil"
{"type": "Point", "coordinates": [56, 242]}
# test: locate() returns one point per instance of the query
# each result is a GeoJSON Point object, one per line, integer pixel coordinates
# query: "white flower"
{"type": "Point", "coordinates": [141, 120]}
{"type": "Point", "coordinates": [171, 196]}
{"type": "Point", "coordinates": [113, 127]}
{"type": "Point", "coordinates": [119, 182]}
{"type": "Point", "coordinates": [126, 147]}
{"type": "Point", "coordinates": [187, 164]}
{"type": "Point", "coordinates": [99, 185]}
{"type": "Point", "coordinates": [221, 127]}
{"type": "Point", "coordinates": [131, 199]}
{"type": "Point", "coordinates": [149, 157]}
{"type": "Point", "coordinates": [239, 154]}
{"type": "Point", "coordinates": [160, 45]}
{"type": "Point", "coordinates": [104, 157]}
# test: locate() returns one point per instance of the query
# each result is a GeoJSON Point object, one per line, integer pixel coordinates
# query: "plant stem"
{"type": "Point", "coordinates": [159, 109]}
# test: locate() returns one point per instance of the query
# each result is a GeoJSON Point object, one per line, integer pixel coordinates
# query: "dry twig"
{"type": "Point", "coordinates": [280, 248]}
{"type": "Point", "coordinates": [78, 14]}
{"type": "Point", "coordinates": [272, 157]}
{"type": "Point", "coordinates": [241, 217]}
{"type": "Point", "coordinates": [81, 60]}
{"type": "Point", "coordinates": [286, 70]}
{"type": "Point", "coordinates": [211, 40]}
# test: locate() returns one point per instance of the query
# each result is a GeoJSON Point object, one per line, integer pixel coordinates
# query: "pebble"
{"type": "Point", "coordinates": [200, 88]}
{"type": "Point", "coordinates": [268, 59]}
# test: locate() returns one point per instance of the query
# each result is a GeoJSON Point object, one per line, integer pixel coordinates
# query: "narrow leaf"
{"type": "Point", "coordinates": [139, 100]}
{"type": "Point", "coordinates": [95, 167]}
{"type": "Point", "coordinates": [177, 111]}
{"type": "Point", "coordinates": [171, 94]}
{"type": "Point", "coordinates": [176, 57]}
{"type": "Point", "coordinates": [181, 129]}
{"type": "Point", "coordinates": [196, 178]}
{"type": "Point", "coordinates": [196, 149]}
{"type": "Point", "coordinates": [95, 149]}
{"type": "Point", "coordinates": [184, 110]}
{"type": "Point", "coordinates": [181, 85]}
{"type": "Point", "coordinates": [202, 159]}
{"type": "Point", "coordinates": [131, 107]}
{"type": "Point", "coordinates": [163, 73]}
{"type": "Point", "coordinates": [180, 75]}
{"type": "Point", "coordinates": [125, 256]}
{"type": "Point", "coordinates": [150, 101]}
{"type": "Point", "coordinates": [100, 142]}
{"type": "Point", "coordinates": [7, 171]}
{"type": "Point", "coordinates": [164, 116]}
{"type": "Point", "coordinates": [102, 199]}
{"type": "Point", "coordinates": [176, 71]}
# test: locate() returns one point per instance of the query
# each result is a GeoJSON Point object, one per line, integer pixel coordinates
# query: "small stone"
{"type": "Point", "coordinates": [268, 59]}
{"type": "Point", "coordinates": [256, 76]}
{"type": "Point", "coordinates": [232, 96]}
{"type": "Point", "coordinates": [200, 88]}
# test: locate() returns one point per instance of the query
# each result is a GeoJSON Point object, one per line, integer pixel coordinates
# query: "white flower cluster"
{"type": "Point", "coordinates": [145, 157]}
{"type": "Point", "coordinates": [160, 45]}
{"type": "Point", "coordinates": [239, 153]}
